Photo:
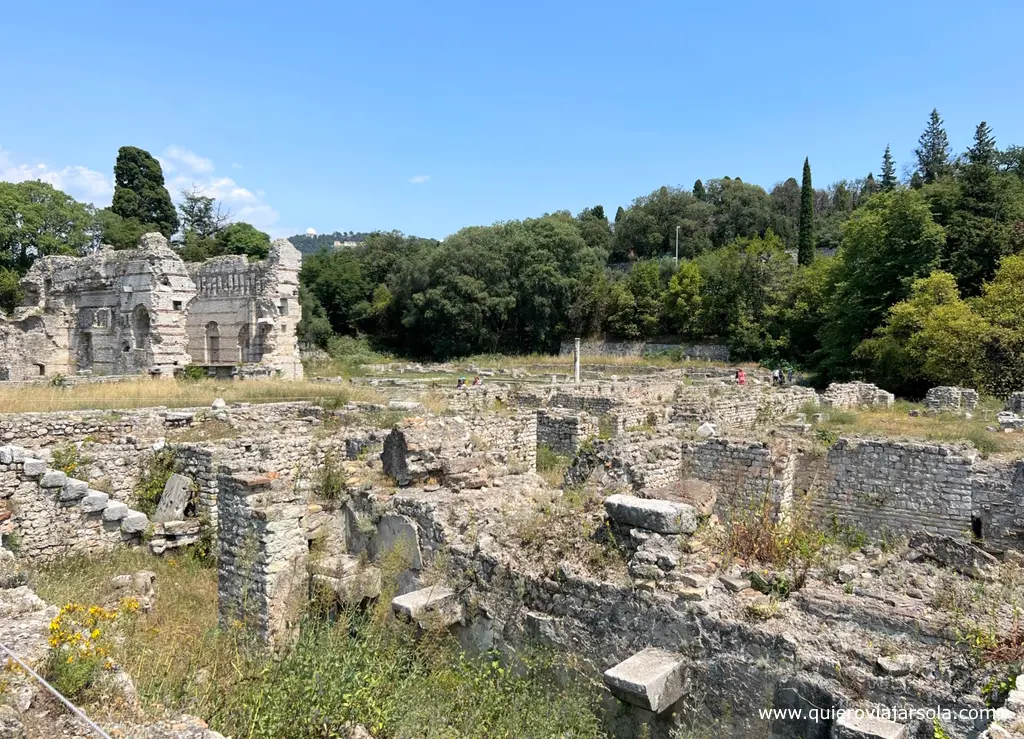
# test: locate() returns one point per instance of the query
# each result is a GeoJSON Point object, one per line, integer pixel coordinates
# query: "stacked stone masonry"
{"type": "Point", "coordinates": [855, 394]}
{"type": "Point", "coordinates": [951, 399]}
{"type": "Point", "coordinates": [144, 311]}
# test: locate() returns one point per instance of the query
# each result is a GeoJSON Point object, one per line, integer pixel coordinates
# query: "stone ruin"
{"type": "Point", "coordinates": [145, 311]}
{"type": "Point", "coordinates": [677, 634]}
{"type": "Point", "coordinates": [951, 399]}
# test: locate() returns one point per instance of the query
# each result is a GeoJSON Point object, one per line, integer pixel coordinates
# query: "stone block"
{"type": "Point", "coordinates": [115, 511]}
{"type": "Point", "coordinates": [187, 527]}
{"type": "Point", "coordinates": [651, 679]}
{"type": "Point", "coordinates": [735, 584]}
{"type": "Point", "coordinates": [73, 490]}
{"type": "Point", "coordinates": [6, 454]}
{"type": "Point", "coordinates": [134, 522]}
{"type": "Point", "coordinates": [431, 604]}
{"type": "Point", "coordinates": [174, 499]}
{"type": "Point", "coordinates": [661, 516]}
{"type": "Point", "coordinates": [397, 533]}
{"type": "Point", "coordinates": [94, 502]}
{"type": "Point", "coordinates": [852, 726]}
{"type": "Point", "coordinates": [53, 479]}
{"type": "Point", "coordinates": [957, 554]}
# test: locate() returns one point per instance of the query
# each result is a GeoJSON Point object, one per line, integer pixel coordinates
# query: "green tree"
{"type": "Point", "coordinates": [37, 220]}
{"type": "Point", "coordinates": [889, 180]}
{"type": "Point", "coordinates": [634, 310]}
{"type": "Point", "coordinates": [932, 150]}
{"type": "Point", "coordinates": [698, 190]}
{"type": "Point", "coordinates": [619, 212]}
{"type": "Point", "coordinates": [888, 243]}
{"type": "Point", "coordinates": [595, 230]}
{"type": "Point", "coordinates": [118, 232]}
{"type": "Point", "coordinates": [870, 186]}
{"type": "Point", "coordinates": [243, 238]}
{"type": "Point", "coordinates": [139, 191]}
{"type": "Point", "coordinates": [10, 291]}
{"type": "Point", "coordinates": [682, 299]}
{"type": "Point", "coordinates": [805, 251]}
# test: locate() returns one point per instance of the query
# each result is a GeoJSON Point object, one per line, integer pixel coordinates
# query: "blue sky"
{"type": "Point", "coordinates": [426, 117]}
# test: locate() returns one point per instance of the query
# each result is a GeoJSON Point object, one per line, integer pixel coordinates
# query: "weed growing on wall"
{"type": "Point", "coordinates": [68, 458]}
{"type": "Point", "coordinates": [330, 482]}
{"type": "Point", "coordinates": [150, 486]}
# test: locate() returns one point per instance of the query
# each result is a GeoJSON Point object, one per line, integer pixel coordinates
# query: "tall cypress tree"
{"type": "Point", "coordinates": [805, 250]}
{"type": "Point", "coordinates": [698, 190]}
{"type": "Point", "coordinates": [870, 186]}
{"type": "Point", "coordinates": [888, 171]}
{"type": "Point", "coordinates": [619, 213]}
{"type": "Point", "coordinates": [139, 192]}
{"type": "Point", "coordinates": [932, 151]}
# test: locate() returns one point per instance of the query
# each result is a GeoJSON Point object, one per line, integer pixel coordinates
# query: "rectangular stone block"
{"type": "Point", "coordinates": [34, 467]}
{"type": "Point", "coordinates": [53, 479]}
{"type": "Point", "coordinates": [661, 516]}
{"type": "Point", "coordinates": [174, 499]}
{"type": "Point", "coordinates": [115, 511]}
{"type": "Point", "coordinates": [73, 490]}
{"type": "Point", "coordinates": [427, 604]}
{"type": "Point", "coordinates": [134, 522]}
{"type": "Point", "coordinates": [651, 679]}
{"type": "Point", "coordinates": [94, 502]}
{"type": "Point", "coordinates": [852, 726]}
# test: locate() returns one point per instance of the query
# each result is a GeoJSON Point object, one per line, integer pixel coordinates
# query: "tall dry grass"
{"type": "Point", "coordinates": [142, 393]}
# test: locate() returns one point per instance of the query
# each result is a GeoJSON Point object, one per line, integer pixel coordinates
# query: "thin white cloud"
{"type": "Point", "coordinates": [236, 165]}
{"type": "Point", "coordinates": [419, 179]}
{"type": "Point", "coordinates": [178, 156]}
{"type": "Point", "coordinates": [81, 183]}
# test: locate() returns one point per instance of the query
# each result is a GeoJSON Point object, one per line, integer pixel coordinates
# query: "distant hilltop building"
{"type": "Point", "coordinates": [145, 311]}
{"type": "Point", "coordinates": [345, 244]}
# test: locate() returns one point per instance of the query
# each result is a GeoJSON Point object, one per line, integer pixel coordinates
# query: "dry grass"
{"type": "Point", "coordinates": [142, 393]}
{"type": "Point", "coordinates": [165, 649]}
{"type": "Point", "coordinates": [896, 422]}
{"type": "Point", "coordinates": [525, 361]}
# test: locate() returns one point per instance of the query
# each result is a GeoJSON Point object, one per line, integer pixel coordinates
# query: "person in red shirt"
{"type": "Point", "coordinates": [741, 377]}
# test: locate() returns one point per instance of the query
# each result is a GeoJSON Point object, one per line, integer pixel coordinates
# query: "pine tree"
{"type": "Point", "coordinates": [888, 171]}
{"type": "Point", "coordinates": [870, 187]}
{"type": "Point", "coordinates": [933, 150]}
{"type": "Point", "coordinates": [139, 192]}
{"type": "Point", "coordinates": [805, 250]}
{"type": "Point", "coordinates": [619, 213]}
{"type": "Point", "coordinates": [698, 190]}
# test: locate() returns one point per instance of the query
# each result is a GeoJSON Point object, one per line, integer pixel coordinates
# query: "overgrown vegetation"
{"type": "Point", "coordinates": [330, 482]}
{"type": "Point", "coordinates": [69, 459]}
{"type": "Point", "coordinates": [551, 466]}
{"type": "Point", "coordinates": [355, 667]}
{"type": "Point", "coordinates": [150, 486]}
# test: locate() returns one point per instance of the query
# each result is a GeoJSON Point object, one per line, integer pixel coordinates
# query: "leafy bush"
{"type": "Point", "coordinates": [68, 458]}
{"type": "Point", "coordinates": [330, 482]}
{"type": "Point", "coordinates": [150, 486]}
{"type": "Point", "coordinates": [80, 645]}
{"type": "Point", "coordinates": [194, 373]}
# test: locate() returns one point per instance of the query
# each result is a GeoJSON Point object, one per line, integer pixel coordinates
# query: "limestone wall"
{"type": "Point", "coordinates": [736, 407]}
{"type": "Point", "coordinates": [855, 394]}
{"type": "Point", "coordinates": [955, 399]}
{"type": "Point", "coordinates": [262, 580]}
{"type": "Point", "coordinates": [710, 352]}
{"type": "Point", "coordinates": [743, 472]}
{"type": "Point", "coordinates": [563, 431]}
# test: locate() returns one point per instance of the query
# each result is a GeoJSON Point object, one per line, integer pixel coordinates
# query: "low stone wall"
{"type": "Point", "coordinates": [955, 399]}
{"type": "Point", "coordinates": [563, 431]}
{"type": "Point", "coordinates": [855, 394]}
{"type": "Point", "coordinates": [743, 472]}
{"type": "Point", "coordinates": [735, 407]}
{"type": "Point", "coordinates": [53, 516]}
{"type": "Point", "coordinates": [633, 461]}
{"type": "Point", "coordinates": [710, 352]}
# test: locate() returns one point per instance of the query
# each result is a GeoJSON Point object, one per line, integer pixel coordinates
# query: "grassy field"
{"type": "Point", "coordinates": [897, 422]}
{"type": "Point", "coordinates": [143, 393]}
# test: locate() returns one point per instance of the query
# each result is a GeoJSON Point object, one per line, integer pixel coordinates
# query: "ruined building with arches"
{"type": "Point", "coordinates": [145, 311]}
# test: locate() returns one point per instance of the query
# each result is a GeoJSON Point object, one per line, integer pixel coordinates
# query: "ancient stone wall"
{"type": "Point", "coordinates": [246, 312]}
{"type": "Point", "coordinates": [735, 407]}
{"type": "Point", "coordinates": [841, 395]}
{"type": "Point", "coordinates": [710, 352]}
{"type": "Point", "coordinates": [743, 472]}
{"type": "Point", "coordinates": [563, 431]}
{"type": "Point", "coordinates": [142, 311]}
{"type": "Point", "coordinates": [954, 399]}
{"type": "Point", "coordinates": [896, 487]}
{"type": "Point", "coordinates": [262, 580]}
{"type": "Point", "coordinates": [53, 516]}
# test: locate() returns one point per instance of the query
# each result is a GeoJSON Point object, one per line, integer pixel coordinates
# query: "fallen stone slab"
{"type": "Point", "coordinates": [853, 726]}
{"type": "Point", "coordinates": [115, 511]}
{"type": "Point", "coordinates": [660, 516]}
{"type": "Point", "coordinates": [404, 405]}
{"type": "Point", "coordinates": [651, 679]}
{"type": "Point", "coordinates": [174, 499]}
{"type": "Point", "coordinates": [735, 584]}
{"type": "Point", "coordinates": [434, 604]}
{"type": "Point", "coordinates": [957, 554]}
{"type": "Point", "coordinates": [94, 502]}
{"type": "Point", "coordinates": [897, 665]}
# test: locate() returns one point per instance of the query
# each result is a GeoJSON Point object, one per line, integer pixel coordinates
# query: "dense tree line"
{"type": "Point", "coordinates": [37, 220]}
{"type": "Point", "coordinates": [312, 243]}
{"type": "Point", "coordinates": [836, 280]}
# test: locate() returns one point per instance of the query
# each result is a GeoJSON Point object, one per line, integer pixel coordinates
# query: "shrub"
{"type": "Point", "coordinates": [194, 373]}
{"type": "Point", "coordinates": [80, 645]}
{"type": "Point", "coordinates": [150, 486]}
{"type": "Point", "coordinates": [68, 458]}
{"type": "Point", "coordinates": [330, 482]}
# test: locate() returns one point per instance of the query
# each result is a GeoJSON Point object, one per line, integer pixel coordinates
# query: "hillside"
{"type": "Point", "coordinates": [308, 244]}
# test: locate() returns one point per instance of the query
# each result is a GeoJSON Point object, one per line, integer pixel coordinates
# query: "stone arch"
{"type": "Point", "coordinates": [212, 343]}
{"type": "Point", "coordinates": [141, 326]}
{"type": "Point", "coordinates": [243, 343]}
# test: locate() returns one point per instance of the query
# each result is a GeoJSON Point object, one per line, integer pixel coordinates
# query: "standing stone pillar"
{"type": "Point", "coordinates": [262, 578]}
{"type": "Point", "coordinates": [576, 361]}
